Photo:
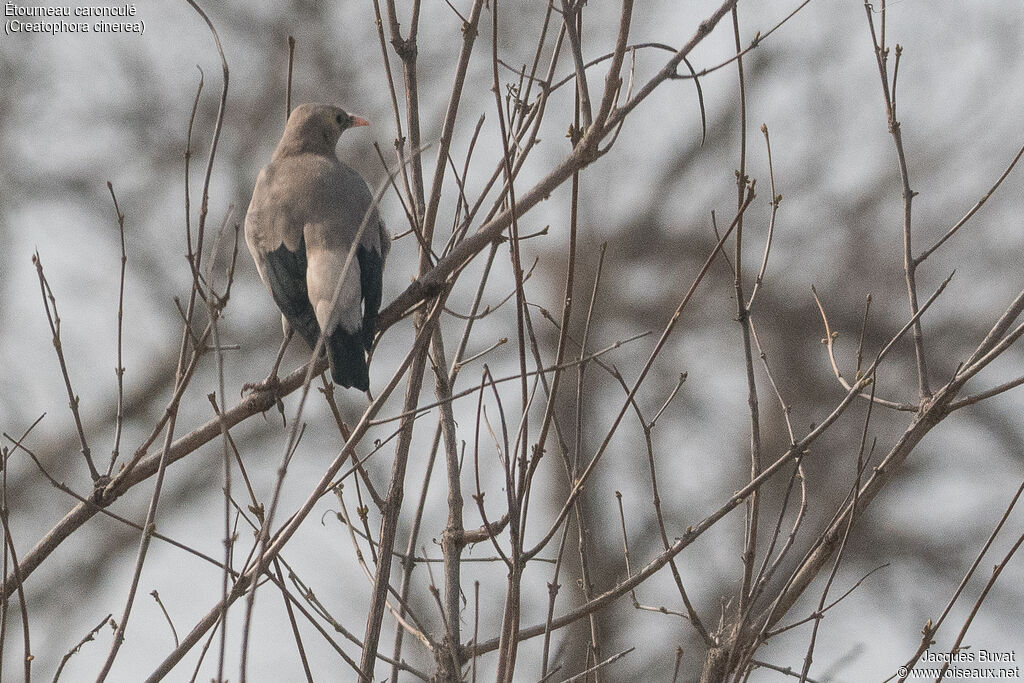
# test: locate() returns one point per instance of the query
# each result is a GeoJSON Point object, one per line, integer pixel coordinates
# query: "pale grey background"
{"type": "Point", "coordinates": [77, 111]}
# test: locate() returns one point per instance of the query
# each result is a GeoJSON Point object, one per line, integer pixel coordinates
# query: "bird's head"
{"type": "Point", "coordinates": [317, 127]}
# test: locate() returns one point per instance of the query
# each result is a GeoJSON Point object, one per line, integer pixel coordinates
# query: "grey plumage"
{"type": "Point", "coordinates": [304, 216]}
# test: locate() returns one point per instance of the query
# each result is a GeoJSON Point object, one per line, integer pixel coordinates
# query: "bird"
{"type": "Point", "coordinates": [308, 212]}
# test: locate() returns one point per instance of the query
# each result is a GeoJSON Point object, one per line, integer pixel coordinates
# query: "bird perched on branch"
{"type": "Point", "coordinates": [318, 243]}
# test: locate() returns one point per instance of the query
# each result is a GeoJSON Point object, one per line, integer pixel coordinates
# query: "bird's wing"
{"type": "Point", "coordinates": [285, 275]}
{"type": "Point", "coordinates": [341, 322]}
{"type": "Point", "coordinates": [371, 280]}
{"type": "Point", "coordinates": [342, 201]}
{"type": "Point", "coordinates": [276, 242]}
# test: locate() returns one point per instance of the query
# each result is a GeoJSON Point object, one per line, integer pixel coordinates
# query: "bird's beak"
{"type": "Point", "coordinates": [359, 121]}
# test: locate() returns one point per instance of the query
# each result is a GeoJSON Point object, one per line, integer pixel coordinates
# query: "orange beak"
{"type": "Point", "coordinates": [359, 121]}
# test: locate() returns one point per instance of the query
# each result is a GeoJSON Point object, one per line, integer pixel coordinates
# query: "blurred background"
{"type": "Point", "coordinates": [77, 111]}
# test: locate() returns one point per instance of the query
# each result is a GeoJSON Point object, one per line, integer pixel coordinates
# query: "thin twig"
{"type": "Point", "coordinates": [974, 209]}
{"type": "Point", "coordinates": [600, 665]}
{"type": "Point", "coordinates": [909, 263]}
{"type": "Point", "coordinates": [119, 370]}
{"type": "Point", "coordinates": [159, 602]}
{"type": "Point", "coordinates": [53, 318]}
{"type": "Point", "coordinates": [828, 340]}
{"type": "Point", "coordinates": [89, 637]}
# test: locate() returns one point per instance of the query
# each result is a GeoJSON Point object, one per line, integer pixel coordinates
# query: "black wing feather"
{"type": "Point", "coordinates": [371, 275]}
{"type": "Point", "coordinates": [286, 275]}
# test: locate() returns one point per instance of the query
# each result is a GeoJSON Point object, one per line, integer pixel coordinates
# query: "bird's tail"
{"type": "Point", "coordinates": [348, 361]}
